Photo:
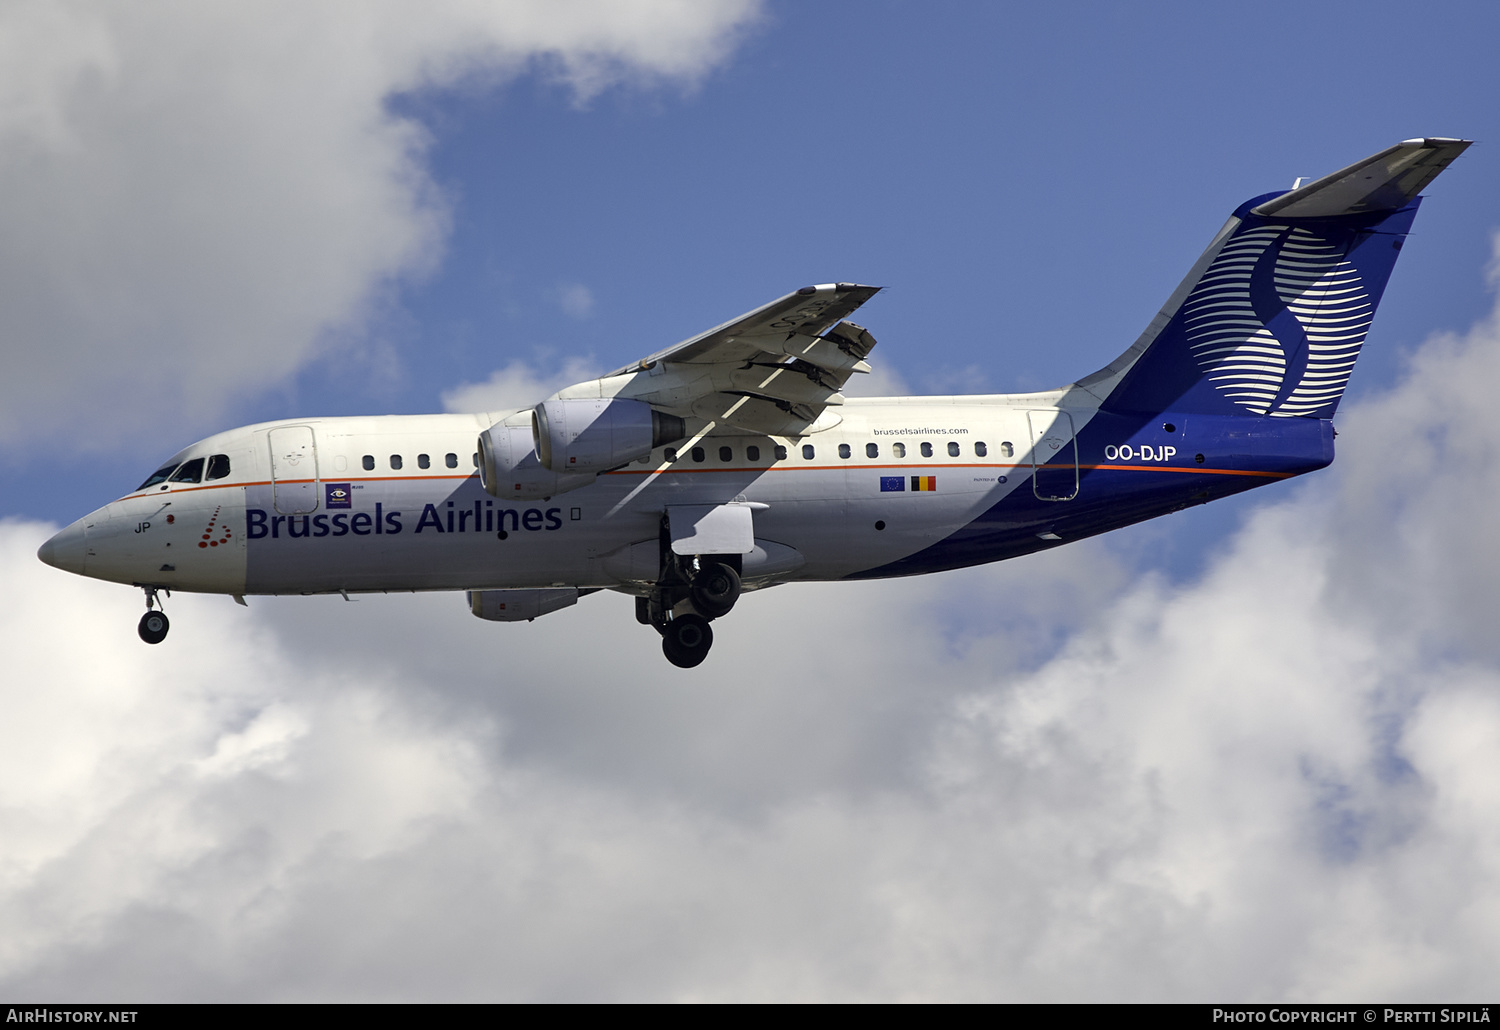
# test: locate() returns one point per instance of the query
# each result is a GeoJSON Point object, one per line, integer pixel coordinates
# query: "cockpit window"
{"type": "Point", "coordinates": [190, 472]}
{"type": "Point", "coordinates": [218, 467]}
{"type": "Point", "coordinates": [159, 476]}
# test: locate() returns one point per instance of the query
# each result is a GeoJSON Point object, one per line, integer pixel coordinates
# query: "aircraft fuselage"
{"type": "Point", "coordinates": [899, 486]}
{"type": "Point", "coordinates": [734, 461]}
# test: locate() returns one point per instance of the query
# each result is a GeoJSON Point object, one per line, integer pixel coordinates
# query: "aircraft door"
{"type": "Point", "coordinates": [294, 469]}
{"type": "Point", "coordinates": [1054, 455]}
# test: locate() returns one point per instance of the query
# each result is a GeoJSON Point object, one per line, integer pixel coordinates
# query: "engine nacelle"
{"type": "Point", "coordinates": [509, 468]}
{"type": "Point", "coordinates": [520, 605]}
{"type": "Point", "coordinates": [594, 435]}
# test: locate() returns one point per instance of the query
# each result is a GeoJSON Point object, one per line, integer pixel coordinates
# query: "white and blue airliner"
{"type": "Point", "coordinates": [732, 461]}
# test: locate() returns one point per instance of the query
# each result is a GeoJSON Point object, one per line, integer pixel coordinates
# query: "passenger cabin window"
{"type": "Point", "coordinates": [780, 453]}
{"type": "Point", "coordinates": [368, 461]}
{"type": "Point", "coordinates": [980, 450]}
{"type": "Point", "coordinates": [218, 467]}
{"type": "Point", "coordinates": [752, 453]}
{"type": "Point", "coordinates": [190, 472]}
{"type": "Point", "coordinates": [807, 451]}
{"type": "Point", "coordinates": [952, 449]}
{"type": "Point", "coordinates": [451, 460]}
{"type": "Point", "coordinates": [698, 454]}
{"type": "Point", "coordinates": [476, 459]}
{"type": "Point", "coordinates": [872, 450]}
{"type": "Point", "coordinates": [926, 450]}
{"type": "Point", "coordinates": [423, 461]}
{"type": "Point", "coordinates": [670, 454]}
{"type": "Point", "coordinates": [898, 449]}
{"type": "Point", "coordinates": [1006, 450]}
{"type": "Point", "coordinates": [844, 451]}
{"type": "Point", "coordinates": [159, 476]}
{"type": "Point", "coordinates": [395, 461]}
{"type": "Point", "coordinates": [725, 454]}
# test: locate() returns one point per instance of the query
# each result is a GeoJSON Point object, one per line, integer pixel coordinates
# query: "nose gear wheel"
{"type": "Point", "coordinates": [153, 627]}
{"type": "Point", "coordinates": [154, 624]}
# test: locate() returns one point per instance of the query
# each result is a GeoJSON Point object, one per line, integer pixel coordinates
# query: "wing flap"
{"type": "Point", "coordinates": [786, 382]}
{"type": "Point", "coordinates": [825, 352]}
{"type": "Point", "coordinates": [752, 414]}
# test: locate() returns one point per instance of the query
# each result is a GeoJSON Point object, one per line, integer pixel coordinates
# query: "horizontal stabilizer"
{"type": "Point", "coordinates": [1388, 181]}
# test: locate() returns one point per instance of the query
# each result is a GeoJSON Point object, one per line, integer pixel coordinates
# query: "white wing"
{"type": "Point", "coordinates": [773, 370]}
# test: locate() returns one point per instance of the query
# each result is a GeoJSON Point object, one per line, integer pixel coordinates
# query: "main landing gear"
{"type": "Point", "coordinates": [691, 592]}
{"type": "Point", "coordinates": [154, 624]}
{"type": "Point", "coordinates": [714, 589]}
{"type": "Point", "coordinates": [686, 640]}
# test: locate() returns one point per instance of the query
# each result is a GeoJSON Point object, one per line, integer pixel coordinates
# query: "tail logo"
{"type": "Point", "coordinates": [1278, 319]}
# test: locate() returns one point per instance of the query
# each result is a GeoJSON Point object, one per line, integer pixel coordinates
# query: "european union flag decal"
{"type": "Point", "coordinates": [889, 484]}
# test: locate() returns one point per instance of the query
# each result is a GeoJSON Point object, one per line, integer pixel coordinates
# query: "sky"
{"type": "Point", "coordinates": [1248, 752]}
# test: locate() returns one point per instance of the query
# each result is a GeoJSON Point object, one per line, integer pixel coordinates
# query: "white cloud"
{"type": "Point", "coordinates": [883, 380]}
{"type": "Point", "coordinates": [1056, 778]}
{"type": "Point", "coordinates": [575, 299]}
{"type": "Point", "coordinates": [200, 198]}
{"type": "Point", "coordinates": [519, 384]}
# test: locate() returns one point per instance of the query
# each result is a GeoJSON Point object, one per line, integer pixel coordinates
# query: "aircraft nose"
{"type": "Point", "coordinates": [65, 550]}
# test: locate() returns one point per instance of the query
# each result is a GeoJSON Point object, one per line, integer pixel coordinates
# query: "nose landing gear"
{"type": "Point", "coordinates": [154, 624]}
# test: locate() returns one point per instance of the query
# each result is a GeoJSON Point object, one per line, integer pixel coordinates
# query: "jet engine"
{"type": "Point", "coordinates": [520, 605]}
{"type": "Point", "coordinates": [508, 465]}
{"type": "Point", "coordinates": [594, 435]}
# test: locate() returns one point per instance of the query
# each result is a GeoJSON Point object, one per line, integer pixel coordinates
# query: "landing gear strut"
{"type": "Point", "coordinates": [154, 624]}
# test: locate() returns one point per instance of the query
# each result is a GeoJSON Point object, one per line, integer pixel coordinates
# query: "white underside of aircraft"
{"type": "Point", "coordinates": [733, 461]}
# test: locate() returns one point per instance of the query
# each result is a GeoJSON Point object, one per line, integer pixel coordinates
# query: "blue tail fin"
{"type": "Point", "coordinates": [1273, 315]}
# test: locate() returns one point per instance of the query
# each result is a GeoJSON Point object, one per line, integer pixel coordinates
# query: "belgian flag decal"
{"type": "Point", "coordinates": [924, 483]}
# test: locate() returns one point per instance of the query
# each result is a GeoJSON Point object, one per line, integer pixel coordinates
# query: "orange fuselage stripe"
{"type": "Point", "coordinates": [742, 468]}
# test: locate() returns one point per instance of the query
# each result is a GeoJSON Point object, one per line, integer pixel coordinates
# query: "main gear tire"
{"type": "Point", "coordinates": [714, 590]}
{"type": "Point", "coordinates": [686, 641]}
